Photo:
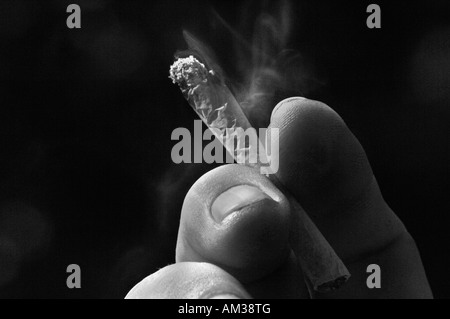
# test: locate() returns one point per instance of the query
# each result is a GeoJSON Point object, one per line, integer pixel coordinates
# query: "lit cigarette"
{"type": "Point", "coordinates": [217, 107]}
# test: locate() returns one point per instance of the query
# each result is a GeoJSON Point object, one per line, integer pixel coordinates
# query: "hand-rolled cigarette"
{"type": "Point", "coordinates": [214, 103]}
{"type": "Point", "coordinates": [216, 106]}
{"type": "Point", "coordinates": [324, 271]}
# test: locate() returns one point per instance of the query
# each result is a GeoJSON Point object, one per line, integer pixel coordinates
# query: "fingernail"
{"type": "Point", "coordinates": [234, 199]}
{"type": "Point", "coordinates": [225, 296]}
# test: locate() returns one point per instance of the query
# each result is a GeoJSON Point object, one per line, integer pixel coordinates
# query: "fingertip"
{"type": "Point", "coordinates": [321, 162]}
{"type": "Point", "coordinates": [188, 280]}
{"type": "Point", "coordinates": [286, 103]}
{"type": "Point", "coordinates": [294, 107]}
{"type": "Point", "coordinates": [237, 219]}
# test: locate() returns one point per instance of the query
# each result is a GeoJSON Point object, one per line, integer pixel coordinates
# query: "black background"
{"type": "Point", "coordinates": [86, 115]}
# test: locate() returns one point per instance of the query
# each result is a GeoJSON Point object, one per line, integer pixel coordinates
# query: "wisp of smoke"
{"type": "Point", "coordinates": [268, 70]}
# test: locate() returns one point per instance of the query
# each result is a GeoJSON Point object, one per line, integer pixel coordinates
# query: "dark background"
{"type": "Point", "coordinates": [86, 115]}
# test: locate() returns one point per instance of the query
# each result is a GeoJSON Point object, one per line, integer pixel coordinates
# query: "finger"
{"type": "Point", "coordinates": [189, 281]}
{"type": "Point", "coordinates": [237, 219]}
{"type": "Point", "coordinates": [325, 167]}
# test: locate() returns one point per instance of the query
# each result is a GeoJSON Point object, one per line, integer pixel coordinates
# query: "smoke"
{"type": "Point", "coordinates": [268, 66]}
{"type": "Point", "coordinates": [24, 233]}
{"type": "Point", "coordinates": [262, 63]}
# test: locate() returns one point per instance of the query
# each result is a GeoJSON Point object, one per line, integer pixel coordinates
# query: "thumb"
{"type": "Point", "coordinates": [235, 218]}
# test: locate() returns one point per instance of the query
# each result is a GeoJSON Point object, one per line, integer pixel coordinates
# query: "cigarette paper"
{"type": "Point", "coordinates": [214, 103]}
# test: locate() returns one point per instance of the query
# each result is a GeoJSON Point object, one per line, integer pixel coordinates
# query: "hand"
{"type": "Point", "coordinates": [233, 242]}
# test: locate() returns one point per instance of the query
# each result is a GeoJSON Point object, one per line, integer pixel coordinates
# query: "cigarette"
{"type": "Point", "coordinates": [214, 103]}
{"type": "Point", "coordinates": [216, 106]}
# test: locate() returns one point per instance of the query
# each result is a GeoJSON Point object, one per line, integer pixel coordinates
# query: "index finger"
{"type": "Point", "coordinates": [326, 169]}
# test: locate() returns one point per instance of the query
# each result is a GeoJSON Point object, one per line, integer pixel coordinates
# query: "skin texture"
{"type": "Point", "coordinates": [325, 168]}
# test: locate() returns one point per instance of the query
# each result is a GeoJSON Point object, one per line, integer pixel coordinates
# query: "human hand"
{"type": "Point", "coordinates": [234, 230]}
